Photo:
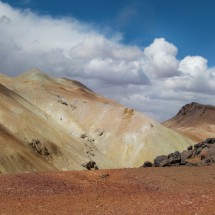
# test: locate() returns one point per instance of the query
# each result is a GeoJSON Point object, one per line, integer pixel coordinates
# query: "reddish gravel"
{"type": "Point", "coordinates": [175, 190]}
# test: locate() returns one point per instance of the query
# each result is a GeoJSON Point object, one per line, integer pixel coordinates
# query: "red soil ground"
{"type": "Point", "coordinates": [173, 190]}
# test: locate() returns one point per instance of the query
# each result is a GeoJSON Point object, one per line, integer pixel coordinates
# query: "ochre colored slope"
{"type": "Point", "coordinates": [121, 134]}
{"type": "Point", "coordinates": [16, 157]}
{"type": "Point", "coordinates": [194, 120]}
{"type": "Point", "coordinates": [31, 125]}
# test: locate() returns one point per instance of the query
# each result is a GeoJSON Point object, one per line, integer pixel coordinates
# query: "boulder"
{"type": "Point", "coordinates": [161, 161]}
{"type": "Point", "coordinates": [190, 148]}
{"type": "Point", "coordinates": [210, 140]}
{"type": "Point", "coordinates": [147, 164]}
{"type": "Point", "coordinates": [185, 155]}
{"type": "Point", "coordinates": [174, 158]}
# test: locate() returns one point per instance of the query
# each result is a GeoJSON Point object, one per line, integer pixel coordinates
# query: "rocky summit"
{"type": "Point", "coordinates": [194, 120]}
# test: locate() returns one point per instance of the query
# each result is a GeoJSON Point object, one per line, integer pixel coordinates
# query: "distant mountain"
{"type": "Point", "coordinates": [196, 121]}
{"type": "Point", "coordinates": [59, 124]}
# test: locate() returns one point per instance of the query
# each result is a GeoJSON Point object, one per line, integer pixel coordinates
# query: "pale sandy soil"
{"type": "Point", "coordinates": [173, 190]}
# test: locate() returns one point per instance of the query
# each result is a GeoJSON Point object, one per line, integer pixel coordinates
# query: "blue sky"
{"type": "Point", "coordinates": [151, 55]}
{"type": "Point", "coordinates": [189, 24]}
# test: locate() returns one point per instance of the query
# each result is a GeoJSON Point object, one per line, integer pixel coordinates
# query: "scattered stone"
{"type": "Point", "coordinates": [104, 175]}
{"type": "Point", "coordinates": [83, 136]}
{"type": "Point", "coordinates": [38, 147]}
{"type": "Point", "coordinates": [99, 131]}
{"type": "Point", "coordinates": [73, 106]}
{"type": "Point", "coordinates": [62, 100]}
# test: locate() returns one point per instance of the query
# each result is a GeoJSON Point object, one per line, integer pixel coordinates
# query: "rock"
{"type": "Point", "coordinates": [147, 164]}
{"type": "Point", "coordinates": [83, 136]}
{"type": "Point", "coordinates": [210, 140]}
{"type": "Point", "coordinates": [201, 154]}
{"type": "Point", "coordinates": [174, 158]}
{"type": "Point", "coordinates": [190, 148]}
{"type": "Point", "coordinates": [39, 148]}
{"type": "Point", "coordinates": [204, 153]}
{"type": "Point", "coordinates": [91, 165]}
{"type": "Point", "coordinates": [198, 151]}
{"type": "Point", "coordinates": [104, 175]}
{"type": "Point", "coordinates": [198, 145]}
{"type": "Point", "coordinates": [185, 155]}
{"type": "Point", "coordinates": [161, 161]}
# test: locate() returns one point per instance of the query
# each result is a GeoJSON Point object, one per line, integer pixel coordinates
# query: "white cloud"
{"type": "Point", "coordinates": [193, 65]}
{"type": "Point", "coordinates": [151, 80]}
{"type": "Point", "coordinates": [160, 59]}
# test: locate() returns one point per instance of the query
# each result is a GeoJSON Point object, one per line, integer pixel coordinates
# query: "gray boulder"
{"type": "Point", "coordinates": [161, 161]}
{"type": "Point", "coordinates": [174, 158]}
{"type": "Point", "coordinates": [147, 164]}
{"type": "Point", "coordinates": [185, 155]}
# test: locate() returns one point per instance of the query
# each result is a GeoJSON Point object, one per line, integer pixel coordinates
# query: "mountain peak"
{"type": "Point", "coordinates": [196, 121]}
{"type": "Point", "coordinates": [194, 108]}
{"type": "Point", "coordinates": [34, 74]}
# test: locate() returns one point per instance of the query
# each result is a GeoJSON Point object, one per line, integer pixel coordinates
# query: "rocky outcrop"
{"type": "Point", "coordinates": [39, 148]}
{"type": "Point", "coordinates": [201, 154]}
{"type": "Point", "coordinates": [91, 165]}
{"type": "Point", "coordinates": [194, 120]}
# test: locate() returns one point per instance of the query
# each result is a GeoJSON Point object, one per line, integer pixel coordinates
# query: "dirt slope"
{"type": "Point", "coordinates": [15, 157]}
{"type": "Point", "coordinates": [68, 124]}
{"type": "Point", "coordinates": [196, 121]}
{"type": "Point", "coordinates": [33, 129]}
{"type": "Point", "coordinates": [120, 133]}
{"type": "Point", "coordinates": [153, 191]}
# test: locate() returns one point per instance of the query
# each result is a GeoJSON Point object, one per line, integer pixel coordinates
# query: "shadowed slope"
{"type": "Point", "coordinates": [16, 157]}
{"type": "Point", "coordinates": [45, 137]}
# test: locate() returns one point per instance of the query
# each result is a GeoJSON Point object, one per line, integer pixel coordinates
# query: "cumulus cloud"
{"type": "Point", "coordinates": [160, 59]}
{"type": "Point", "coordinates": [152, 80]}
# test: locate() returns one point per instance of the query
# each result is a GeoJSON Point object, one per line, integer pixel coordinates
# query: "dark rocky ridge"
{"type": "Point", "coordinates": [192, 114]}
{"type": "Point", "coordinates": [195, 121]}
{"type": "Point", "coordinates": [200, 154]}
{"type": "Point", "coordinates": [194, 107]}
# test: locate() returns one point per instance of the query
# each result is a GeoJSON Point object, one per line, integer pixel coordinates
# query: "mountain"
{"type": "Point", "coordinates": [67, 125]}
{"type": "Point", "coordinates": [196, 121]}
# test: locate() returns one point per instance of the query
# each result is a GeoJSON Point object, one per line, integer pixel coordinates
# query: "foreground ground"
{"type": "Point", "coordinates": [174, 190]}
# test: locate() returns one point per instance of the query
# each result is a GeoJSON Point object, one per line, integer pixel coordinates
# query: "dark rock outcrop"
{"type": "Point", "coordinates": [91, 165]}
{"type": "Point", "coordinates": [201, 154]}
{"type": "Point", "coordinates": [39, 148]}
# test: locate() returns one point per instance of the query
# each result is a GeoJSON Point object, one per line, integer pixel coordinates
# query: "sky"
{"type": "Point", "coordinates": [151, 55]}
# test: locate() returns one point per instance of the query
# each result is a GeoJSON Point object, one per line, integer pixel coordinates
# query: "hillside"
{"type": "Point", "coordinates": [67, 124]}
{"type": "Point", "coordinates": [196, 121]}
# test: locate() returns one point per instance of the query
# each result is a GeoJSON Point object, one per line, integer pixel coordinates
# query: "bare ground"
{"type": "Point", "coordinates": [174, 190]}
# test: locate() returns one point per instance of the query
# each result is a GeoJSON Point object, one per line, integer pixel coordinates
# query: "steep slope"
{"type": "Point", "coordinates": [121, 134]}
{"type": "Point", "coordinates": [33, 129]}
{"type": "Point", "coordinates": [16, 157]}
{"type": "Point", "coordinates": [197, 121]}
